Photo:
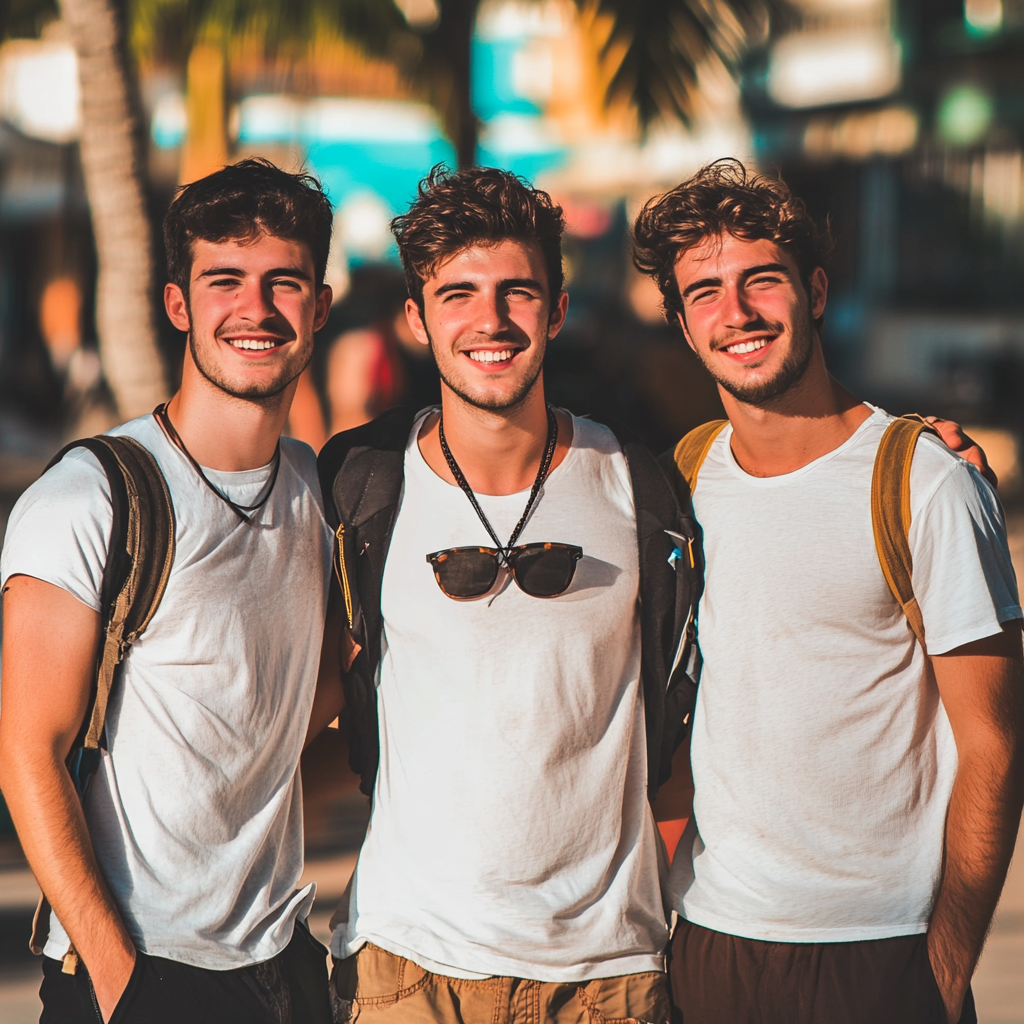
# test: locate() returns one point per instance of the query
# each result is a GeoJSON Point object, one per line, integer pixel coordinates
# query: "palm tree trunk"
{"type": "Point", "coordinates": [112, 166]}
{"type": "Point", "coordinates": [448, 55]}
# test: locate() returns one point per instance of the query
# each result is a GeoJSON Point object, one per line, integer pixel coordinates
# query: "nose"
{"type": "Point", "coordinates": [255, 301]}
{"type": "Point", "coordinates": [738, 309]}
{"type": "Point", "coordinates": [492, 313]}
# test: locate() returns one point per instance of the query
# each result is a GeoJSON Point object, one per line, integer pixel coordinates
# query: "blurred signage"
{"type": "Point", "coordinates": [891, 131]}
{"type": "Point", "coordinates": [515, 47]}
{"type": "Point", "coordinates": [822, 68]}
{"type": "Point", "coordinates": [39, 89]}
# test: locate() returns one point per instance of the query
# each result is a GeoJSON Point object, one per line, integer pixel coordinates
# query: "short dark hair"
{"type": "Point", "coordinates": [454, 210]}
{"type": "Point", "coordinates": [242, 201]}
{"type": "Point", "coordinates": [723, 198]}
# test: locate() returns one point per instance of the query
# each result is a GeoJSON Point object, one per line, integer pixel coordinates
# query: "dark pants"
{"type": "Point", "coordinates": [723, 979]}
{"type": "Point", "coordinates": [291, 988]}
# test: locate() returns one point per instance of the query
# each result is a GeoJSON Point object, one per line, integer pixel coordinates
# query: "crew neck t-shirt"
{"type": "Point", "coordinates": [510, 832]}
{"type": "Point", "coordinates": [195, 811]}
{"type": "Point", "coordinates": [822, 756]}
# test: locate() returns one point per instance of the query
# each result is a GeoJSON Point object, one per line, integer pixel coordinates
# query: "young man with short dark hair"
{"type": "Point", "coordinates": [173, 880]}
{"type": "Point", "coordinates": [858, 760]}
{"type": "Point", "coordinates": [514, 654]}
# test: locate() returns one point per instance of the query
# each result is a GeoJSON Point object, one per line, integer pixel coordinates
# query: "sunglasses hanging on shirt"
{"type": "Point", "coordinates": [542, 569]}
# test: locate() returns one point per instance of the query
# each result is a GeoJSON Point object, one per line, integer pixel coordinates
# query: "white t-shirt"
{"type": "Point", "coordinates": [823, 760]}
{"type": "Point", "coordinates": [511, 832]}
{"type": "Point", "coordinates": [195, 812]}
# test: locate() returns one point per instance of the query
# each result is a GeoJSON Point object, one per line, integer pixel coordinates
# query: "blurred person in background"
{"type": "Point", "coordinates": [857, 794]}
{"type": "Point", "coordinates": [86, 408]}
{"type": "Point", "coordinates": [371, 363]}
{"type": "Point", "coordinates": [173, 879]}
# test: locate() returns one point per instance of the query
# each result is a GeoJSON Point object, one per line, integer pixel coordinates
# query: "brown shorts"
{"type": "Point", "coordinates": [377, 987]}
{"type": "Point", "coordinates": [723, 979]}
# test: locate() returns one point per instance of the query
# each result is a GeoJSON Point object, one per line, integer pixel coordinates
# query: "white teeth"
{"type": "Point", "coordinates": [747, 346]}
{"type": "Point", "coordinates": [255, 344]}
{"type": "Point", "coordinates": [490, 357]}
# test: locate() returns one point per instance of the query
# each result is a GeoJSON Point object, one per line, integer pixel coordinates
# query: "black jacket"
{"type": "Point", "coordinates": [361, 475]}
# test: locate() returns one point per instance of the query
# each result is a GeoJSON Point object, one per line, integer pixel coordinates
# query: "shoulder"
{"type": "Point", "coordinates": [589, 435]}
{"type": "Point", "coordinates": [59, 530]}
{"type": "Point", "coordinates": [938, 474]}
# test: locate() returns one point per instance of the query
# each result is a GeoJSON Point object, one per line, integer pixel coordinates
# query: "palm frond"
{"type": "Point", "coordinates": [661, 44]}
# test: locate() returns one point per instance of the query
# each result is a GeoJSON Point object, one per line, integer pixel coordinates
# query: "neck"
{"type": "Point", "coordinates": [498, 451]}
{"type": "Point", "coordinates": [813, 418]}
{"type": "Point", "coordinates": [224, 432]}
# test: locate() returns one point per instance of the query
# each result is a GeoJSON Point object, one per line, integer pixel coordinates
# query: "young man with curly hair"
{"type": "Point", "coordinates": [857, 790]}
{"type": "Point", "coordinates": [514, 615]}
{"type": "Point", "coordinates": [173, 876]}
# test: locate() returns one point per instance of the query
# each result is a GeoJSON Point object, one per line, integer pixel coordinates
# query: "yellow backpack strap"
{"type": "Point", "coordinates": [683, 463]}
{"type": "Point", "coordinates": [890, 512]}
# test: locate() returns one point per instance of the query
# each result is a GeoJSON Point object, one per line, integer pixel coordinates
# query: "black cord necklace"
{"type": "Point", "coordinates": [160, 413]}
{"type": "Point", "coordinates": [542, 472]}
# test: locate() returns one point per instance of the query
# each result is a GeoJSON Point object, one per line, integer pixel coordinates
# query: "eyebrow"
{"type": "Point", "coordinates": [238, 272]}
{"type": "Point", "coordinates": [763, 268]}
{"type": "Point", "coordinates": [504, 285]}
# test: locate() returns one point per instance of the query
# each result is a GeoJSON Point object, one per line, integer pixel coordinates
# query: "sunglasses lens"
{"type": "Point", "coordinates": [465, 572]}
{"type": "Point", "coordinates": [545, 570]}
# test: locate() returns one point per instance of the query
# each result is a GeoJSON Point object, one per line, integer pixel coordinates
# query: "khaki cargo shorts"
{"type": "Point", "coordinates": [377, 987]}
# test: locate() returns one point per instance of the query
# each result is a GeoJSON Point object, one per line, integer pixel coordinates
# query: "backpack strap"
{"type": "Point", "coordinates": [890, 512]}
{"type": "Point", "coordinates": [669, 585]}
{"type": "Point", "coordinates": [683, 463]}
{"type": "Point", "coordinates": [362, 471]}
{"type": "Point", "coordinates": [140, 553]}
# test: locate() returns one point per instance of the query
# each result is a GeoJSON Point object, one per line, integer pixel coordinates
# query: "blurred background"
{"type": "Point", "coordinates": [900, 122]}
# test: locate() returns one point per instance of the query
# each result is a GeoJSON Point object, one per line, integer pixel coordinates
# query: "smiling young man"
{"type": "Point", "coordinates": [510, 655]}
{"type": "Point", "coordinates": [857, 790]}
{"type": "Point", "coordinates": [174, 879]}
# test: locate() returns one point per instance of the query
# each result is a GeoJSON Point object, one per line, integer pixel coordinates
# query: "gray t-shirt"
{"type": "Point", "coordinates": [195, 813]}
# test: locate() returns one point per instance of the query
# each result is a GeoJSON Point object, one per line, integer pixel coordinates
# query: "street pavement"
{"type": "Point", "coordinates": [998, 984]}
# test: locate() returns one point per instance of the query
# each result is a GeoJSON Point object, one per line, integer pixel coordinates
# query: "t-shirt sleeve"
{"type": "Point", "coordinates": [59, 530]}
{"type": "Point", "coordinates": [963, 577]}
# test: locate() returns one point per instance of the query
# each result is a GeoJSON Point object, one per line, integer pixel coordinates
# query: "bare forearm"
{"type": "Point", "coordinates": [48, 816]}
{"type": "Point", "coordinates": [981, 829]}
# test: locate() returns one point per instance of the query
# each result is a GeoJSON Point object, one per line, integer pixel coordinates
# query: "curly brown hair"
{"type": "Point", "coordinates": [723, 198]}
{"type": "Point", "coordinates": [458, 209]}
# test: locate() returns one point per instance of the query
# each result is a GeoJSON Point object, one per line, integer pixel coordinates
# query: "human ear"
{"type": "Point", "coordinates": [556, 318]}
{"type": "Point", "coordinates": [324, 300]}
{"type": "Point", "coordinates": [415, 320]}
{"type": "Point", "coordinates": [819, 293]}
{"type": "Point", "coordinates": [686, 331]}
{"type": "Point", "coordinates": [177, 306]}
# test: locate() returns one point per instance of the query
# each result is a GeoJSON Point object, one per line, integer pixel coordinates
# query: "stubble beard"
{"type": "Point", "coordinates": [489, 403]}
{"type": "Point", "coordinates": [259, 392]}
{"type": "Point", "coordinates": [789, 374]}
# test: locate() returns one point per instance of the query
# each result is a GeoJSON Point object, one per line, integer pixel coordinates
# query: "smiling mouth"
{"type": "Point", "coordinates": [254, 344]}
{"type": "Point", "coordinates": [741, 348]}
{"type": "Point", "coordinates": [490, 357]}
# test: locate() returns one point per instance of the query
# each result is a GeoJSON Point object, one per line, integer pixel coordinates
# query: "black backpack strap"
{"type": "Point", "coordinates": [361, 476]}
{"type": "Point", "coordinates": [671, 573]}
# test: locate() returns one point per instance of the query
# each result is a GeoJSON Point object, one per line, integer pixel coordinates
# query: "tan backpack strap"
{"type": "Point", "coordinates": [890, 512]}
{"type": "Point", "coordinates": [683, 463]}
{"type": "Point", "coordinates": [150, 547]}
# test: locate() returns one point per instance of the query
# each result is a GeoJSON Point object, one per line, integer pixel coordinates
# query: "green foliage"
{"type": "Point", "coordinates": [24, 19]}
{"type": "Point", "coordinates": [167, 29]}
{"type": "Point", "coordinates": [665, 42]}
